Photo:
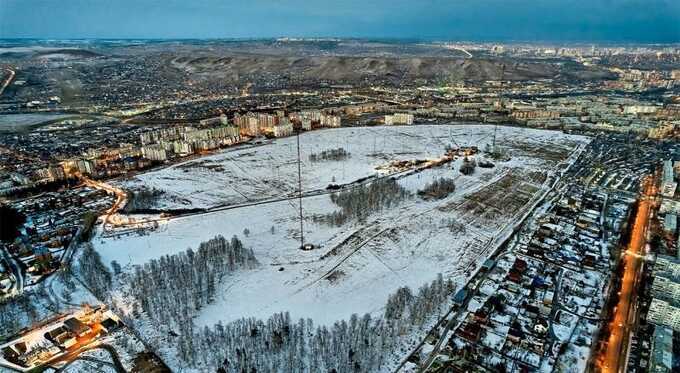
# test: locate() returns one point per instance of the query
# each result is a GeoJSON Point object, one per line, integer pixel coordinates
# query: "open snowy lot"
{"type": "Point", "coordinates": [15, 122]}
{"type": "Point", "coordinates": [357, 263]}
{"type": "Point", "coordinates": [269, 171]}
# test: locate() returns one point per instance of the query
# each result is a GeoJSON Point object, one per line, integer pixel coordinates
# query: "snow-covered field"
{"type": "Point", "coordinates": [13, 122]}
{"type": "Point", "coordinates": [261, 172]}
{"type": "Point", "coordinates": [356, 265]}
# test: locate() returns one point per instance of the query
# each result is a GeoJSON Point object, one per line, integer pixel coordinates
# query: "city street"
{"type": "Point", "coordinates": [625, 314]}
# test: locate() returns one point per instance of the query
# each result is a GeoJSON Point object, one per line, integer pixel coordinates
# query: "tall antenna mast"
{"type": "Point", "coordinates": [302, 232]}
{"type": "Point", "coordinates": [493, 146]}
{"type": "Point", "coordinates": [495, 127]}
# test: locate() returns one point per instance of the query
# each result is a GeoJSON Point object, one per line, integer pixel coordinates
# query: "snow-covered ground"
{"type": "Point", "coordinates": [13, 122]}
{"type": "Point", "coordinates": [356, 265]}
{"type": "Point", "coordinates": [125, 345]}
{"type": "Point", "coordinates": [261, 172]}
{"type": "Point", "coordinates": [50, 297]}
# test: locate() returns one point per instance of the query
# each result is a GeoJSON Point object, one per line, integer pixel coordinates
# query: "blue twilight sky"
{"type": "Point", "coordinates": [529, 20]}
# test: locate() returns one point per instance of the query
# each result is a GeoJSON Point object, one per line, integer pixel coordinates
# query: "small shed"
{"type": "Point", "coordinates": [460, 296]}
{"type": "Point", "coordinates": [488, 264]}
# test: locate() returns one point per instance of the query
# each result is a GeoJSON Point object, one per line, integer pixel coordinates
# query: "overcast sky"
{"type": "Point", "coordinates": [537, 20]}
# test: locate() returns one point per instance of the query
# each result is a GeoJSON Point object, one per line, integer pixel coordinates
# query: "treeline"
{"type": "Point", "coordinates": [142, 199]}
{"type": "Point", "coordinates": [43, 187]}
{"type": "Point", "coordinates": [279, 344]}
{"type": "Point", "coordinates": [171, 289]}
{"type": "Point", "coordinates": [417, 307]}
{"type": "Point", "coordinates": [165, 292]}
{"type": "Point", "coordinates": [330, 155]}
{"type": "Point", "coordinates": [34, 305]}
{"type": "Point", "coordinates": [438, 189]}
{"type": "Point", "coordinates": [93, 272]}
{"type": "Point", "coordinates": [12, 222]}
{"type": "Point", "coordinates": [16, 313]}
{"type": "Point", "coordinates": [360, 202]}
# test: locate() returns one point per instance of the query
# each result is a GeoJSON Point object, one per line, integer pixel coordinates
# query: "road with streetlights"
{"type": "Point", "coordinates": [625, 313]}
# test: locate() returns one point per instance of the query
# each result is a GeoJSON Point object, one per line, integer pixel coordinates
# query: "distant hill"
{"type": "Point", "coordinates": [47, 53]}
{"type": "Point", "coordinates": [394, 69]}
{"type": "Point", "coordinates": [66, 54]}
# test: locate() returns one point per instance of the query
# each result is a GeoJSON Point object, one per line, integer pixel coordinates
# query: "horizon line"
{"type": "Point", "coordinates": [340, 38]}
